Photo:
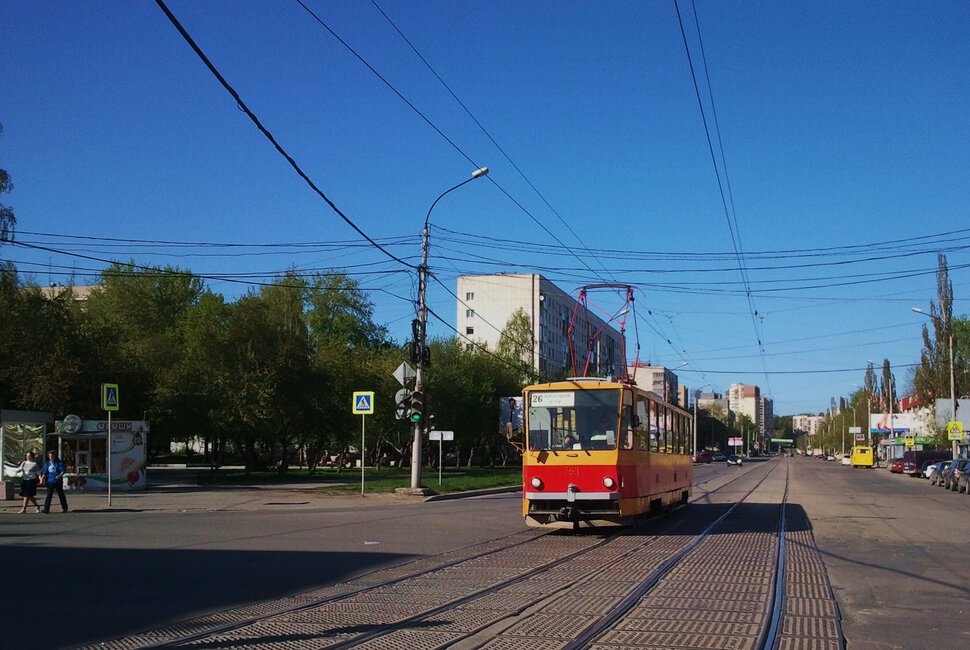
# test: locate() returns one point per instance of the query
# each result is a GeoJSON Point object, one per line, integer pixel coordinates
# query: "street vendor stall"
{"type": "Point", "coordinates": [82, 445]}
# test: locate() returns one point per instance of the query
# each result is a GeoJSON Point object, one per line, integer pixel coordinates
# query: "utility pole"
{"type": "Point", "coordinates": [418, 415]}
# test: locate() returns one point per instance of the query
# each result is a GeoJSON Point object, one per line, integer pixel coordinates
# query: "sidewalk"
{"type": "Point", "coordinates": [174, 490]}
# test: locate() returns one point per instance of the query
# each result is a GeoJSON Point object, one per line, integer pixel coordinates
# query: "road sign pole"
{"type": "Point", "coordinates": [363, 418]}
{"type": "Point", "coordinates": [108, 453]}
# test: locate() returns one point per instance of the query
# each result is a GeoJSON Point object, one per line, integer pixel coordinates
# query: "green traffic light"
{"type": "Point", "coordinates": [415, 417]}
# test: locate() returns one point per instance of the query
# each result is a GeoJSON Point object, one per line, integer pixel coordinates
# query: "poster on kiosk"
{"type": "Point", "coordinates": [81, 445]}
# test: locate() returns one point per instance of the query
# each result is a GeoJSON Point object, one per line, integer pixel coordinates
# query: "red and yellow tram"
{"type": "Point", "coordinates": [600, 452]}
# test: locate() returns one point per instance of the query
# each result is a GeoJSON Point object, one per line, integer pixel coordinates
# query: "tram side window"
{"type": "Point", "coordinates": [643, 430]}
{"type": "Point", "coordinates": [627, 417]}
{"type": "Point", "coordinates": [681, 434]}
{"type": "Point", "coordinates": [678, 434]}
{"type": "Point", "coordinates": [662, 428]}
{"type": "Point", "coordinates": [654, 426]}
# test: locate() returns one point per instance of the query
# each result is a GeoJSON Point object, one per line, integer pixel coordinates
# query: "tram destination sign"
{"type": "Point", "coordinates": [562, 398]}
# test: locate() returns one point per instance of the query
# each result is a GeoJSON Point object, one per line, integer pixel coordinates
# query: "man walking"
{"type": "Point", "coordinates": [54, 469]}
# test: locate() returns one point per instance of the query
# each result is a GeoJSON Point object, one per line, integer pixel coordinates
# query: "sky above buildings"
{"type": "Point", "coordinates": [788, 176]}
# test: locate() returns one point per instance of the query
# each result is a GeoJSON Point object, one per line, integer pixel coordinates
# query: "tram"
{"type": "Point", "coordinates": [599, 452]}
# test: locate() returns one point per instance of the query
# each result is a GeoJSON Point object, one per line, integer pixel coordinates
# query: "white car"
{"type": "Point", "coordinates": [846, 460]}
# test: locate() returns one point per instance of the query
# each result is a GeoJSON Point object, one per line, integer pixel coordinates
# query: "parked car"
{"type": "Point", "coordinates": [936, 473]}
{"type": "Point", "coordinates": [846, 460]}
{"type": "Point", "coordinates": [896, 467]}
{"type": "Point", "coordinates": [926, 468]}
{"type": "Point", "coordinates": [704, 457]}
{"type": "Point", "coordinates": [952, 476]}
{"type": "Point", "coordinates": [719, 457]}
{"type": "Point", "coordinates": [963, 483]}
{"type": "Point", "coordinates": [830, 457]}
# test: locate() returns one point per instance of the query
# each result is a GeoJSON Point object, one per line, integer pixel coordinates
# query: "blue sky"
{"type": "Point", "coordinates": [843, 128]}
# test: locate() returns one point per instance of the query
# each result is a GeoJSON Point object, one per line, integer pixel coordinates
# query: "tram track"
{"type": "Point", "coordinates": [471, 598]}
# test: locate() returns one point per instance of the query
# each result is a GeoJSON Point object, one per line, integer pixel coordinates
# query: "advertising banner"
{"type": "Point", "coordinates": [880, 423]}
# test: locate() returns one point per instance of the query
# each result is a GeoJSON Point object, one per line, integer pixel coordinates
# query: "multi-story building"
{"type": "Point", "coordinates": [487, 302]}
{"type": "Point", "coordinates": [766, 409]}
{"type": "Point", "coordinates": [659, 379]}
{"type": "Point", "coordinates": [718, 406]}
{"type": "Point", "coordinates": [746, 400]}
{"type": "Point", "coordinates": [807, 424]}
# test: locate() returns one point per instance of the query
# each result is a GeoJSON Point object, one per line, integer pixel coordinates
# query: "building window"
{"type": "Point", "coordinates": [469, 313]}
{"type": "Point", "coordinates": [469, 330]}
{"type": "Point", "coordinates": [470, 295]}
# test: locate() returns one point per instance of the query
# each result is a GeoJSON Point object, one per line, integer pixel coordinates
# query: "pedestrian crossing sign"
{"type": "Point", "coordinates": [109, 397]}
{"type": "Point", "coordinates": [954, 430]}
{"type": "Point", "coordinates": [363, 402]}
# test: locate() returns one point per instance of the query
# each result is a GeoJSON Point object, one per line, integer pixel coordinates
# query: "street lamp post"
{"type": "Point", "coordinates": [953, 383]}
{"type": "Point", "coordinates": [851, 408]}
{"type": "Point", "coordinates": [421, 333]}
{"type": "Point", "coordinates": [697, 394]}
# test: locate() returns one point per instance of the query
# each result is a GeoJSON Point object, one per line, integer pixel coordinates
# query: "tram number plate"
{"type": "Point", "coordinates": [552, 399]}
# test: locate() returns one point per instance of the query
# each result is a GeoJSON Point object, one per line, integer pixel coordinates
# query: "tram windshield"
{"type": "Point", "coordinates": [573, 419]}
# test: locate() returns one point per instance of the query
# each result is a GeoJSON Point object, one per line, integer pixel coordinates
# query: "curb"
{"type": "Point", "coordinates": [473, 493]}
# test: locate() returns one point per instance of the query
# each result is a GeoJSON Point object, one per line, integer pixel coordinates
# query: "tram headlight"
{"type": "Point", "coordinates": [536, 482]}
{"type": "Point", "coordinates": [609, 483]}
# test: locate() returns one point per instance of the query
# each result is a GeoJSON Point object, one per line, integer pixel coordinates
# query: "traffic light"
{"type": "Point", "coordinates": [417, 407]}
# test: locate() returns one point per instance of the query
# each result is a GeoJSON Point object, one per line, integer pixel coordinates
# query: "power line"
{"type": "Point", "coordinates": [269, 136]}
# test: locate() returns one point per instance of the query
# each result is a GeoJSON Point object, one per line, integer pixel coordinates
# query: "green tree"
{"type": "Point", "coordinates": [516, 343]}
{"type": "Point", "coordinates": [135, 324]}
{"type": "Point", "coordinates": [7, 218]}
{"type": "Point", "coordinates": [45, 354]}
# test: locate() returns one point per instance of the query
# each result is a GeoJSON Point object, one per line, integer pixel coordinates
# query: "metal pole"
{"type": "Point", "coordinates": [441, 443]}
{"type": "Point", "coordinates": [108, 454]}
{"type": "Point", "coordinates": [423, 320]}
{"type": "Point", "coordinates": [694, 446]}
{"type": "Point", "coordinates": [363, 418]}
{"type": "Point", "coordinates": [953, 395]}
{"type": "Point", "coordinates": [422, 341]}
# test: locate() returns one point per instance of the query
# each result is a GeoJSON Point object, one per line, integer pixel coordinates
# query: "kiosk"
{"type": "Point", "coordinates": [83, 444]}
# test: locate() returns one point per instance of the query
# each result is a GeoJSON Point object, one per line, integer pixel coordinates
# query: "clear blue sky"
{"type": "Point", "coordinates": [843, 125]}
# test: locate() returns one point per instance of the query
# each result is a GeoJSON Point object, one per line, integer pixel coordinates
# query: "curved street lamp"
{"type": "Point", "coordinates": [422, 326]}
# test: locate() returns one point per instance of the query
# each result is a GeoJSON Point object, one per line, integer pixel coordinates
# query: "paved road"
{"type": "Point", "coordinates": [894, 549]}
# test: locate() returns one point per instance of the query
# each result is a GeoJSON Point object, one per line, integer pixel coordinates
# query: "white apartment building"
{"type": "Point", "coordinates": [807, 424]}
{"type": "Point", "coordinates": [487, 302]}
{"type": "Point", "coordinates": [660, 380]}
{"type": "Point", "coordinates": [746, 400]}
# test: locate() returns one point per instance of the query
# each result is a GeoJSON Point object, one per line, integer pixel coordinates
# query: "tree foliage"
{"type": "Point", "coordinates": [266, 379]}
{"type": "Point", "coordinates": [7, 218]}
{"type": "Point", "coordinates": [931, 378]}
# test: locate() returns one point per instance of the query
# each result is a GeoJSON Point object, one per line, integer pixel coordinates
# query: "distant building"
{"type": "Point", "coordinates": [718, 405]}
{"type": "Point", "coordinates": [767, 413]}
{"type": "Point", "coordinates": [487, 302]}
{"type": "Point", "coordinates": [659, 379]}
{"type": "Point", "coordinates": [807, 424]}
{"type": "Point", "coordinates": [746, 400]}
{"type": "Point", "coordinates": [80, 293]}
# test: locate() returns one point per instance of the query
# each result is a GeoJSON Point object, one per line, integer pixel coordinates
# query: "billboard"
{"type": "Point", "coordinates": [901, 423]}
{"type": "Point", "coordinates": [510, 418]}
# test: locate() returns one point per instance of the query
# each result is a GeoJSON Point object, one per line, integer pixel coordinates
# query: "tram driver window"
{"type": "Point", "coordinates": [540, 428]}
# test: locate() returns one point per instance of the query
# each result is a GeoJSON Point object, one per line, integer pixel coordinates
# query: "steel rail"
{"type": "Point", "coordinates": [202, 631]}
{"type": "Point", "coordinates": [595, 630]}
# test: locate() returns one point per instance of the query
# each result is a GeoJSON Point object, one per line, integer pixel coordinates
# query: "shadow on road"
{"type": "Point", "coordinates": [82, 590]}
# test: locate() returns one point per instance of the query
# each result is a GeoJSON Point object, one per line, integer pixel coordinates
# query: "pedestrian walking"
{"type": "Point", "coordinates": [54, 470]}
{"type": "Point", "coordinates": [30, 475]}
